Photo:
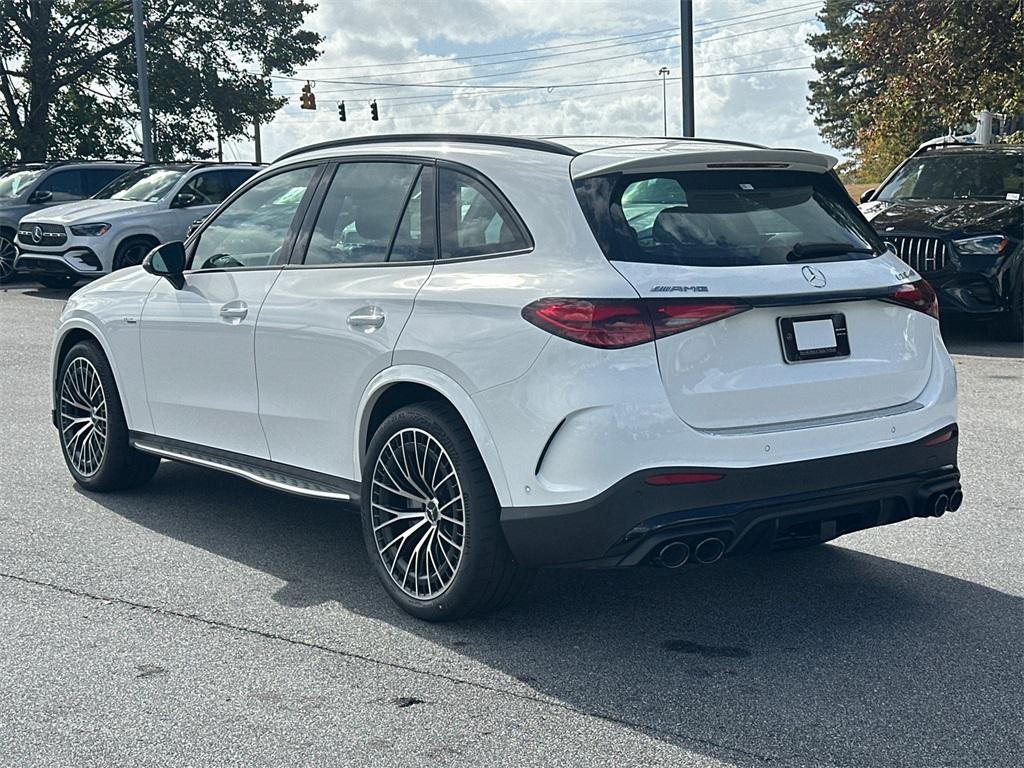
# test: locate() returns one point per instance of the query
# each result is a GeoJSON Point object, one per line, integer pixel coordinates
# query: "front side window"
{"type": "Point", "coordinates": [211, 187]}
{"type": "Point", "coordinates": [360, 215]}
{"type": "Point", "coordinates": [64, 186]}
{"type": "Point", "coordinates": [474, 222]}
{"type": "Point", "coordinates": [148, 184]}
{"type": "Point", "coordinates": [14, 184]}
{"type": "Point", "coordinates": [253, 230]}
{"type": "Point", "coordinates": [725, 218]}
{"type": "Point", "coordinates": [961, 175]}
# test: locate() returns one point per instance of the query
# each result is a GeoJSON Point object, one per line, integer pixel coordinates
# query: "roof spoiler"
{"type": "Point", "coordinates": [701, 159]}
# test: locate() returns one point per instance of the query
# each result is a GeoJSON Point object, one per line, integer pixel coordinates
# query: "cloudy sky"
{"type": "Point", "coordinates": [551, 67]}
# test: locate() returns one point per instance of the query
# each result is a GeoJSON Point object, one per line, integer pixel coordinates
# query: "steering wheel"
{"type": "Point", "coordinates": [221, 261]}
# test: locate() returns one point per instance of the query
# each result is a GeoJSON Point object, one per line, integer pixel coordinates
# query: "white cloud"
{"type": "Point", "coordinates": [363, 35]}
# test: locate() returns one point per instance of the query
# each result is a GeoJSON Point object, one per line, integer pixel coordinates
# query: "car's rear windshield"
{"type": "Point", "coordinates": [725, 217]}
{"type": "Point", "coordinates": [970, 175]}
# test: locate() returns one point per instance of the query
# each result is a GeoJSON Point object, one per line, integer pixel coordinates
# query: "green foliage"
{"type": "Point", "coordinates": [68, 81]}
{"type": "Point", "coordinates": [893, 73]}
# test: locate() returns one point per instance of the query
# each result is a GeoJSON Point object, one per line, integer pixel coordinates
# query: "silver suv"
{"type": "Point", "coordinates": [28, 187]}
{"type": "Point", "coordinates": [124, 221]}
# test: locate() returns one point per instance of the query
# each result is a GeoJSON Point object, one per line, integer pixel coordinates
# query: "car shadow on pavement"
{"type": "Point", "coordinates": [821, 657]}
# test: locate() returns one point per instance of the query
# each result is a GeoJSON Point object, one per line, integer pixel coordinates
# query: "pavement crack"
{"type": "Point", "coordinates": [359, 657]}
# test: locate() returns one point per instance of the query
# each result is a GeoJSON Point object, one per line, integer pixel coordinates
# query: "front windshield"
{"type": "Point", "coordinates": [13, 184]}
{"type": "Point", "coordinates": [142, 185]}
{"type": "Point", "coordinates": [981, 175]}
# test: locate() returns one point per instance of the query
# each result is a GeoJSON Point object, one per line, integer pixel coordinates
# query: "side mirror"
{"type": "Point", "coordinates": [185, 200]}
{"type": "Point", "coordinates": [865, 196]}
{"type": "Point", "coordinates": [167, 260]}
{"type": "Point", "coordinates": [41, 196]}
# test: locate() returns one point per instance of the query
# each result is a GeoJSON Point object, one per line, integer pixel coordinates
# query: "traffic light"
{"type": "Point", "coordinates": [341, 111]}
{"type": "Point", "coordinates": [373, 110]}
{"type": "Point", "coordinates": [308, 98]}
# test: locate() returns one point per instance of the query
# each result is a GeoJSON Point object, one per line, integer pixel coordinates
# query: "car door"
{"type": "Point", "coordinates": [332, 319]}
{"type": "Point", "coordinates": [197, 340]}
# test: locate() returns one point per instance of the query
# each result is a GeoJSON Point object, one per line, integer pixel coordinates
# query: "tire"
{"type": "Point", "coordinates": [132, 251]}
{"type": "Point", "coordinates": [57, 281]}
{"type": "Point", "coordinates": [431, 450]}
{"type": "Point", "coordinates": [1010, 327]}
{"type": "Point", "coordinates": [87, 400]}
{"type": "Point", "coordinates": [8, 252]}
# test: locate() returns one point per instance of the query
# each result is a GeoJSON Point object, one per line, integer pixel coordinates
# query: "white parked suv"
{"type": "Point", "coordinates": [121, 223]}
{"type": "Point", "coordinates": [523, 352]}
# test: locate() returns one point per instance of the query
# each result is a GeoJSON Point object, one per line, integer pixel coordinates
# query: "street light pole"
{"type": "Point", "coordinates": [686, 40]}
{"type": "Point", "coordinates": [664, 72]}
{"type": "Point", "coordinates": [140, 61]}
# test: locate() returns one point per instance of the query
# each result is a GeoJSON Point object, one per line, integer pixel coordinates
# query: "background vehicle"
{"type": "Point", "coordinates": [29, 187]}
{"type": "Point", "coordinates": [123, 221]}
{"type": "Point", "coordinates": [466, 334]}
{"type": "Point", "coordinates": [955, 213]}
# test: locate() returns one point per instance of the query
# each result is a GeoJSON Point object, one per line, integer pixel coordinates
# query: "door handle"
{"type": "Point", "coordinates": [234, 312]}
{"type": "Point", "coordinates": [366, 319]}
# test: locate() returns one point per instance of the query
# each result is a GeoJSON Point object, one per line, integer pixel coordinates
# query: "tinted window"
{"type": "Point", "coordinates": [212, 187]}
{"type": "Point", "coordinates": [984, 174]}
{"type": "Point", "coordinates": [415, 238]}
{"type": "Point", "coordinates": [254, 228]}
{"type": "Point", "coordinates": [63, 185]}
{"type": "Point", "coordinates": [95, 179]}
{"type": "Point", "coordinates": [724, 218]}
{"type": "Point", "coordinates": [473, 221]}
{"type": "Point", "coordinates": [360, 213]}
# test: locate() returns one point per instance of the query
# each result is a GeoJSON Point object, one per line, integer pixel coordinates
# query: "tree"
{"type": "Point", "coordinates": [68, 81]}
{"type": "Point", "coordinates": [892, 73]}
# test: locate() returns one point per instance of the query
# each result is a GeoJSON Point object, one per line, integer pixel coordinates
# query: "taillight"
{"type": "Point", "coordinates": [617, 323]}
{"type": "Point", "coordinates": [918, 295]}
{"type": "Point", "coordinates": [606, 323]}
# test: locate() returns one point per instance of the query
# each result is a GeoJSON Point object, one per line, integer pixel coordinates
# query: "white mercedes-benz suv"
{"type": "Point", "coordinates": [523, 352]}
{"type": "Point", "coordinates": [122, 222]}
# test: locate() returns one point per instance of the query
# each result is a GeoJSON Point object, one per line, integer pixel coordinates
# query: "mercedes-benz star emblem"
{"type": "Point", "coordinates": [37, 235]}
{"type": "Point", "coordinates": [814, 276]}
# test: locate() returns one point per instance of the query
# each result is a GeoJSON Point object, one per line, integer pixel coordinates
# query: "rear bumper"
{"type": "Point", "coordinates": [750, 508]}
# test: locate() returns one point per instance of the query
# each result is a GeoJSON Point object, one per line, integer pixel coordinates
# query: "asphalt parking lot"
{"type": "Point", "coordinates": [206, 621]}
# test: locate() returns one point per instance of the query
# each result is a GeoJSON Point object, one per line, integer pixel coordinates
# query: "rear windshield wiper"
{"type": "Point", "coordinates": [808, 251]}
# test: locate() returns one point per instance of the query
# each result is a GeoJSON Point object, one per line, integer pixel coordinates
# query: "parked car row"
{"type": "Point", "coordinates": [69, 220]}
{"type": "Point", "coordinates": [955, 213]}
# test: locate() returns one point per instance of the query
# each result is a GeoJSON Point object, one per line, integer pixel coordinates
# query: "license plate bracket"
{"type": "Point", "coordinates": [813, 337]}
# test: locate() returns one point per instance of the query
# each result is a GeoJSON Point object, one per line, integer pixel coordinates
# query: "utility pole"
{"type": "Point", "coordinates": [140, 62]}
{"type": "Point", "coordinates": [664, 72]}
{"type": "Point", "coordinates": [259, 144]}
{"type": "Point", "coordinates": [686, 41]}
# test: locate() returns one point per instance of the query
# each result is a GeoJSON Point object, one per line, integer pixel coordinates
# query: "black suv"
{"type": "Point", "coordinates": [955, 213]}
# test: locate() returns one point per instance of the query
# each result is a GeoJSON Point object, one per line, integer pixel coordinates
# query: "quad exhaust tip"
{"type": "Point", "coordinates": [956, 498]}
{"type": "Point", "coordinates": [673, 555]}
{"type": "Point", "coordinates": [940, 504]}
{"type": "Point", "coordinates": [710, 550]}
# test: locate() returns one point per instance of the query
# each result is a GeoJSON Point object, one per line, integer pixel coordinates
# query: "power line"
{"type": "Point", "coordinates": [751, 17]}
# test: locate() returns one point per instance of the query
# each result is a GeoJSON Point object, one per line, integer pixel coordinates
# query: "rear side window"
{"type": "Point", "coordinates": [95, 179]}
{"type": "Point", "coordinates": [725, 218]}
{"type": "Point", "coordinates": [361, 212]}
{"type": "Point", "coordinates": [474, 221]}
